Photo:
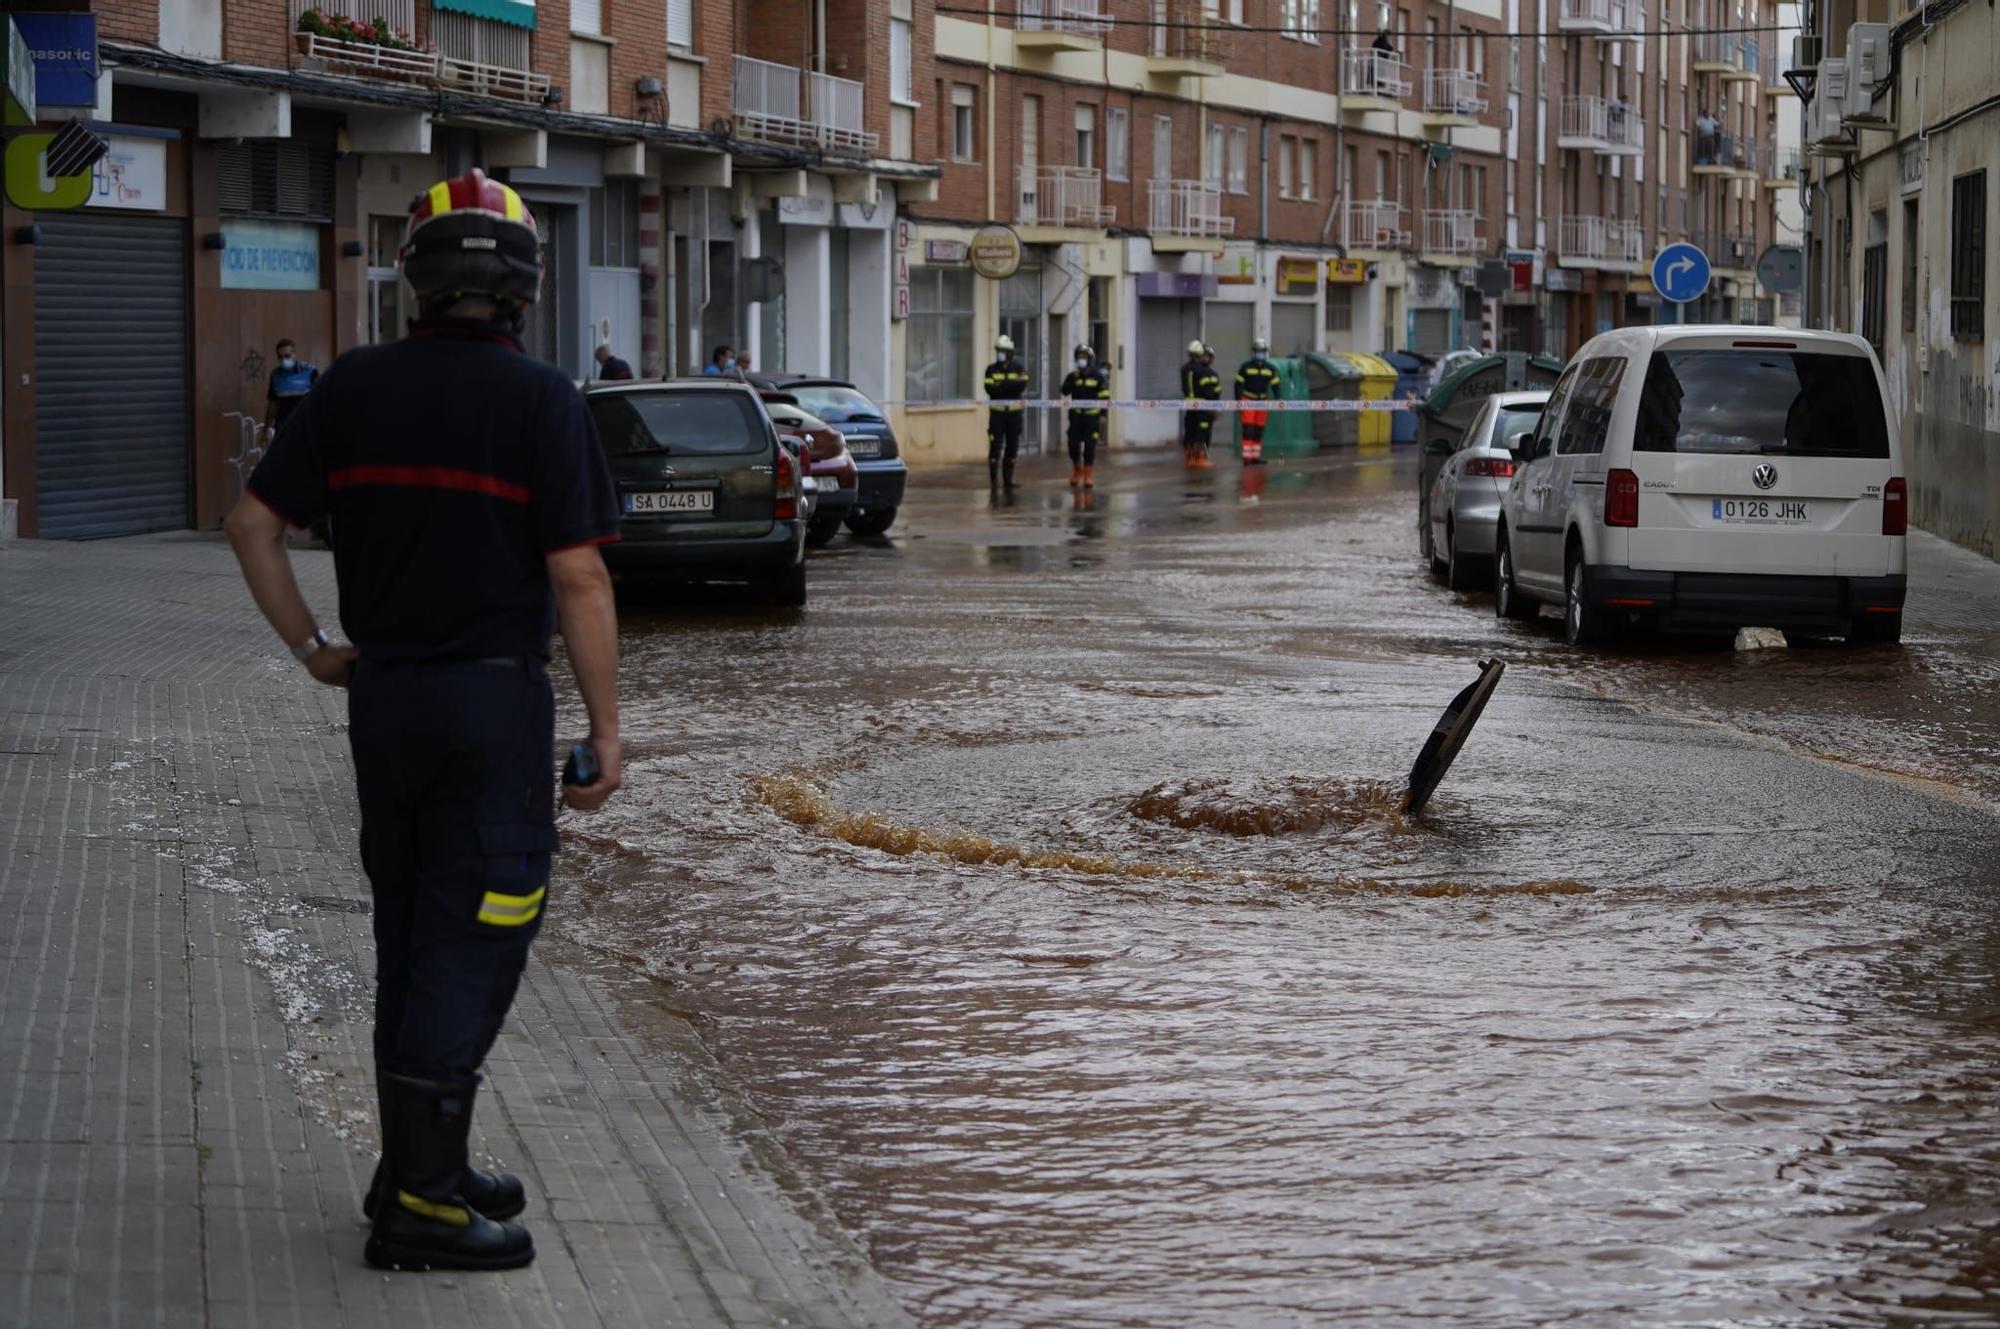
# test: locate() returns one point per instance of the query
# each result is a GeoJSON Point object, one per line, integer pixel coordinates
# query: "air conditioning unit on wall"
{"type": "Point", "coordinates": [1869, 67]}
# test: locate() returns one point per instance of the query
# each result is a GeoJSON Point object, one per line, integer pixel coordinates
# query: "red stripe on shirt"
{"type": "Point", "coordinates": [428, 477]}
{"type": "Point", "coordinates": [584, 544]}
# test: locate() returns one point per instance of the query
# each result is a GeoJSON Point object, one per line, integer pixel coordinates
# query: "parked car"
{"type": "Point", "coordinates": [877, 458]}
{"type": "Point", "coordinates": [706, 489]}
{"type": "Point", "coordinates": [828, 462]}
{"type": "Point", "coordinates": [1464, 507]}
{"type": "Point", "coordinates": [1706, 479]}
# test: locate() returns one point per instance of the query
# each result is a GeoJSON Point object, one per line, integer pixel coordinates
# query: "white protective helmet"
{"type": "Point", "coordinates": [1259, 346]}
{"type": "Point", "coordinates": [1195, 347]}
{"type": "Point", "coordinates": [1004, 342]}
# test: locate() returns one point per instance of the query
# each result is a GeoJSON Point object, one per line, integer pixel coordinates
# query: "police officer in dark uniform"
{"type": "Point", "coordinates": [1087, 383]}
{"type": "Point", "coordinates": [291, 379]}
{"type": "Point", "coordinates": [1256, 380]}
{"type": "Point", "coordinates": [1006, 385]}
{"type": "Point", "coordinates": [1199, 382]}
{"type": "Point", "coordinates": [472, 496]}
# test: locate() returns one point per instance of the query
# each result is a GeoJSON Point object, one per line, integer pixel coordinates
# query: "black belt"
{"type": "Point", "coordinates": [497, 661]}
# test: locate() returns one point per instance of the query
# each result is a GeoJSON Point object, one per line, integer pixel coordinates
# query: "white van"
{"type": "Point", "coordinates": [1705, 479]}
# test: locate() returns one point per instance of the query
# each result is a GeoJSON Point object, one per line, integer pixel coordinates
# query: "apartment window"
{"type": "Point", "coordinates": [1288, 19]}
{"type": "Point", "coordinates": [940, 336]}
{"type": "Point", "coordinates": [964, 123]}
{"type": "Point", "coordinates": [1382, 175]}
{"type": "Point", "coordinates": [1117, 143]}
{"type": "Point", "coordinates": [680, 24]}
{"type": "Point", "coordinates": [274, 178]}
{"type": "Point", "coordinates": [1086, 136]}
{"type": "Point", "coordinates": [614, 225]}
{"type": "Point", "coordinates": [1349, 174]}
{"type": "Point", "coordinates": [1309, 21]}
{"type": "Point", "coordinates": [1430, 43]}
{"type": "Point", "coordinates": [1911, 263]}
{"type": "Point", "coordinates": [1875, 281]}
{"type": "Point", "coordinates": [1286, 150]}
{"type": "Point", "coordinates": [1968, 257]}
{"type": "Point", "coordinates": [1308, 151]}
{"type": "Point", "coordinates": [901, 90]}
{"type": "Point", "coordinates": [1218, 151]}
{"type": "Point", "coordinates": [1239, 160]}
{"type": "Point", "coordinates": [1163, 147]}
{"type": "Point", "coordinates": [586, 16]}
{"type": "Point", "coordinates": [1340, 308]}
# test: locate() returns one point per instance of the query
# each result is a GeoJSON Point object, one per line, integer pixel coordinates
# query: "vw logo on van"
{"type": "Point", "coordinates": [1764, 476]}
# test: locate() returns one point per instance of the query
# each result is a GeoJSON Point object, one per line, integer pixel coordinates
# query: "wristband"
{"type": "Point", "coordinates": [306, 649]}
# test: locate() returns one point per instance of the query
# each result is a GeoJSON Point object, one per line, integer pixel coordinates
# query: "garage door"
{"type": "Point", "coordinates": [1165, 329]}
{"type": "Point", "coordinates": [1292, 327]}
{"type": "Point", "coordinates": [111, 402]}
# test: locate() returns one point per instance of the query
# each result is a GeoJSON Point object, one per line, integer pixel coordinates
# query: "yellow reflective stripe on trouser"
{"type": "Point", "coordinates": [440, 198]}
{"type": "Point", "coordinates": [511, 911]}
{"type": "Point", "coordinates": [453, 1214]}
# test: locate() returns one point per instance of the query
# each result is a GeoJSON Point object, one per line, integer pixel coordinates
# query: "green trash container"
{"type": "Point", "coordinates": [1286, 433]}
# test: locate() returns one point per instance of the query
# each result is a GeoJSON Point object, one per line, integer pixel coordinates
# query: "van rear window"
{"type": "Point", "coordinates": [1761, 402]}
{"type": "Point", "coordinates": [677, 422]}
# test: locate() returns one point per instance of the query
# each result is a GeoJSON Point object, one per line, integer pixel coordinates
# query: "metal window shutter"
{"type": "Point", "coordinates": [1291, 328]}
{"type": "Point", "coordinates": [111, 405]}
{"type": "Point", "coordinates": [680, 23]}
{"type": "Point", "coordinates": [1431, 331]}
{"type": "Point", "coordinates": [1165, 329]}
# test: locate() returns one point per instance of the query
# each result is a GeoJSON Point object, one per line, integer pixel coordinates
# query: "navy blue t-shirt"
{"type": "Point", "coordinates": [452, 466]}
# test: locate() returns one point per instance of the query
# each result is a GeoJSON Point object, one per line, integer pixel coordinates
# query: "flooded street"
{"type": "Point", "coordinates": [1040, 890]}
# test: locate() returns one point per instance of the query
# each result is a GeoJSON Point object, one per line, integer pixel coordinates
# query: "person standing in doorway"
{"type": "Point", "coordinates": [721, 364]}
{"type": "Point", "coordinates": [472, 496]}
{"type": "Point", "coordinates": [1006, 384]}
{"type": "Point", "coordinates": [610, 369]}
{"type": "Point", "coordinates": [1086, 388]}
{"type": "Point", "coordinates": [291, 379]}
{"type": "Point", "coordinates": [1199, 382]}
{"type": "Point", "coordinates": [1256, 380]}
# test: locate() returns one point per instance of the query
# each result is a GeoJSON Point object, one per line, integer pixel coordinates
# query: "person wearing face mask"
{"type": "Point", "coordinates": [1256, 380]}
{"type": "Point", "coordinates": [1087, 383]}
{"type": "Point", "coordinates": [1006, 384]}
{"type": "Point", "coordinates": [291, 380]}
{"type": "Point", "coordinates": [722, 364]}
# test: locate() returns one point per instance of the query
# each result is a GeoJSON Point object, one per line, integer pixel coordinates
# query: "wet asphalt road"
{"type": "Point", "coordinates": [1040, 889]}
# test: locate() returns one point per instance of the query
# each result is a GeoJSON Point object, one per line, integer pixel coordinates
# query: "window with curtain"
{"type": "Point", "coordinates": [1163, 147]}
{"type": "Point", "coordinates": [1309, 21]}
{"type": "Point", "coordinates": [940, 336]}
{"type": "Point", "coordinates": [1218, 151]}
{"type": "Point", "coordinates": [1308, 150]}
{"type": "Point", "coordinates": [1239, 160]}
{"type": "Point", "coordinates": [1086, 136]}
{"type": "Point", "coordinates": [964, 123]}
{"type": "Point", "coordinates": [900, 87]}
{"type": "Point", "coordinates": [1117, 143]}
{"type": "Point", "coordinates": [1285, 151]}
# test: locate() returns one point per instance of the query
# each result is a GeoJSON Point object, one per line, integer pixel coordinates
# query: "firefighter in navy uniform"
{"type": "Point", "coordinates": [1087, 383]}
{"type": "Point", "coordinates": [1256, 380]}
{"type": "Point", "coordinates": [1006, 384]}
{"type": "Point", "coordinates": [1199, 382]}
{"type": "Point", "coordinates": [471, 495]}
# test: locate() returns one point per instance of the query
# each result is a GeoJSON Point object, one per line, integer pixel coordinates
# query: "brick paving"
{"type": "Point", "coordinates": [186, 1096]}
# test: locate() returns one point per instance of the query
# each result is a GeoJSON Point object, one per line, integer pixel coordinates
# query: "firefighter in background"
{"type": "Point", "coordinates": [1087, 383]}
{"type": "Point", "coordinates": [1199, 382]}
{"type": "Point", "coordinates": [1006, 384]}
{"type": "Point", "coordinates": [1257, 380]}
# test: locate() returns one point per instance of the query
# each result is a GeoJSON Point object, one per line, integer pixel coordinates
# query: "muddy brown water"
{"type": "Point", "coordinates": [1041, 889]}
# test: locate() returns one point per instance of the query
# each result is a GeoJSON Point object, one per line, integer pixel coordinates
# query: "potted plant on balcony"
{"type": "Point", "coordinates": [349, 31]}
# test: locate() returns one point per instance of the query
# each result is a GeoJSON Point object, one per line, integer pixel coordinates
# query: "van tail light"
{"type": "Point", "coordinates": [1896, 507]}
{"type": "Point", "coordinates": [1497, 467]}
{"type": "Point", "coordinates": [787, 507]}
{"type": "Point", "coordinates": [1621, 498]}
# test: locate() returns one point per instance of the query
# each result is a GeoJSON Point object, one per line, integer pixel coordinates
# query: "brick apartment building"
{"type": "Point", "coordinates": [803, 178]}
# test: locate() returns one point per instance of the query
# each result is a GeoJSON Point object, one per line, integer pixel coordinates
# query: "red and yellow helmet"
{"type": "Point", "coordinates": [471, 236]}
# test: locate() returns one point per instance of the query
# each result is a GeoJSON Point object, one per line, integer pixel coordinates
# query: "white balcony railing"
{"type": "Point", "coordinates": [837, 113]}
{"type": "Point", "coordinates": [1365, 72]}
{"type": "Point", "coordinates": [1600, 239]}
{"type": "Point", "coordinates": [774, 103]}
{"type": "Point", "coordinates": [1063, 196]}
{"type": "Point", "coordinates": [1625, 242]}
{"type": "Point", "coordinates": [1782, 163]}
{"type": "Point", "coordinates": [1725, 51]}
{"type": "Point", "coordinates": [1375, 223]}
{"type": "Point", "coordinates": [1453, 92]}
{"type": "Point", "coordinates": [1609, 125]}
{"type": "Point", "coordinates": [1186, 207]}
{"type": "Point", "coordinates": [1085, 17]}
{"type": "Point", "coordinates": [1451, 231]}
{"type": "Point", "coordinates": [467, 54]}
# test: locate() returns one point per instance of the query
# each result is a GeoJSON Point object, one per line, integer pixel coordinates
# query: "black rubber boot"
{"type": "Point", "coordinates": [423, 1219]}
{"type": "Point", "coordinates": [1007, 475]}
{"type": "Point", "coordinates": [495, 1194]}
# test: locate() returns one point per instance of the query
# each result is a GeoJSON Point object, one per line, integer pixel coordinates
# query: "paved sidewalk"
{"type": "Point", "coordinates": [186, 1100]}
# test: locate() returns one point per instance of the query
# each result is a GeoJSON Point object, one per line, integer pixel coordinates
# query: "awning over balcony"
{"type": "Point", "coordinates": [520, 13]}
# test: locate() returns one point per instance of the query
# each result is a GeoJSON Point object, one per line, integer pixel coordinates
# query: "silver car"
{"type": "Point", "coordinates": [1465, 498]}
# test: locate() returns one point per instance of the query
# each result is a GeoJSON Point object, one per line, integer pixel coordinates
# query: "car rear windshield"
{"type": "Point", "coordinates": [835, 405]}
{"type": "Point", "coordinates": [1772, 402]}
{"type": "Point", "coordinates": [1510, 420]}
{"type": "Point", "coordinates": [676, 422]}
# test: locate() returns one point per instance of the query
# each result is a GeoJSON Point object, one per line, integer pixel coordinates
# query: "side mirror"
{"type": "Point", "coordinates": [1519, 442]}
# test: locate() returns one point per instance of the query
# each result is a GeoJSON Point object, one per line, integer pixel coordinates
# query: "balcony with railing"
{"type": "Point", "coordinates": [1732, 250]}
{"type": "Point", "coordinates": [1070, 196]}
{"type": "Point", "coordinates": [1453, 97]}
{"type": "Point", "coordinates": [1378, 224]}
{"type": "Point", "coordinates": [1186, 214]}
{"type": "Point", "coordinates": [1783, 168]}
{"type": "Point", "coordinates": [1729, 54]}
{"type": "Point", "coordinates": [381, 39]}
{"type": "Point", "coordinates": [1372, 80]}
{"type": "Point", "coordinates": [1451, 235]}
{"type": "Point", "coordinates": [1618, 19]}
{"type": "Point", "coordinates": [1593, 124]}
{"type": "Point", "coordinates": [1724, 154]}
{"type": "Point", "coordinates": [773, 103]}
{"type": "Point", "coordinates": [1189, 41]}
{"type": "Point", "coordinates": [1596, 242]}
{"type": "Point", "coordinates": [1060, 25]}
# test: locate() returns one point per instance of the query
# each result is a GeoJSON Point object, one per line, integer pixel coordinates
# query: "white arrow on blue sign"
{"type": "Point", "coordinates": [1680, 273]}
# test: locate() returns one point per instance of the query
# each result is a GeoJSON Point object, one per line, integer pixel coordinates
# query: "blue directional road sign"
{"type": "Point", "coordinates": [1680, 273]}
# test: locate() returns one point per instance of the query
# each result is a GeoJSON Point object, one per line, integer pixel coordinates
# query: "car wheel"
{"type": "Point", "coordinates": [788, 588]}
{"type": "Point", "coordinates": [871, 521]}
{"type": "Point", "coordinates": [821, 530]}
{"type": "Point", "coordinates": [1508, 602]}
{"type": "Point", "coordinates": [1426, 545]}
{"type": "Point", "coordinates": [1583, 625]}
{"type": "Point", "coordinates": [1875, 630]}
{"type": "Point", "coordinates": [1459, 572]}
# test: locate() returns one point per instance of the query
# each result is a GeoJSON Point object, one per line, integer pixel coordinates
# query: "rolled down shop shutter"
{"type": "Point", "coordinates": [111, 362]}
{"type": "Point", "coordinates": [1165, 329]}
{"type": "Point", "coordinates": [1292, 327]}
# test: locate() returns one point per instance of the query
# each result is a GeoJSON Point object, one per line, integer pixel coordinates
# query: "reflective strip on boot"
{"type": "Point", "coordinates": [511, 911]}
{"type": "Point", "coordinates": [454, 1214]}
